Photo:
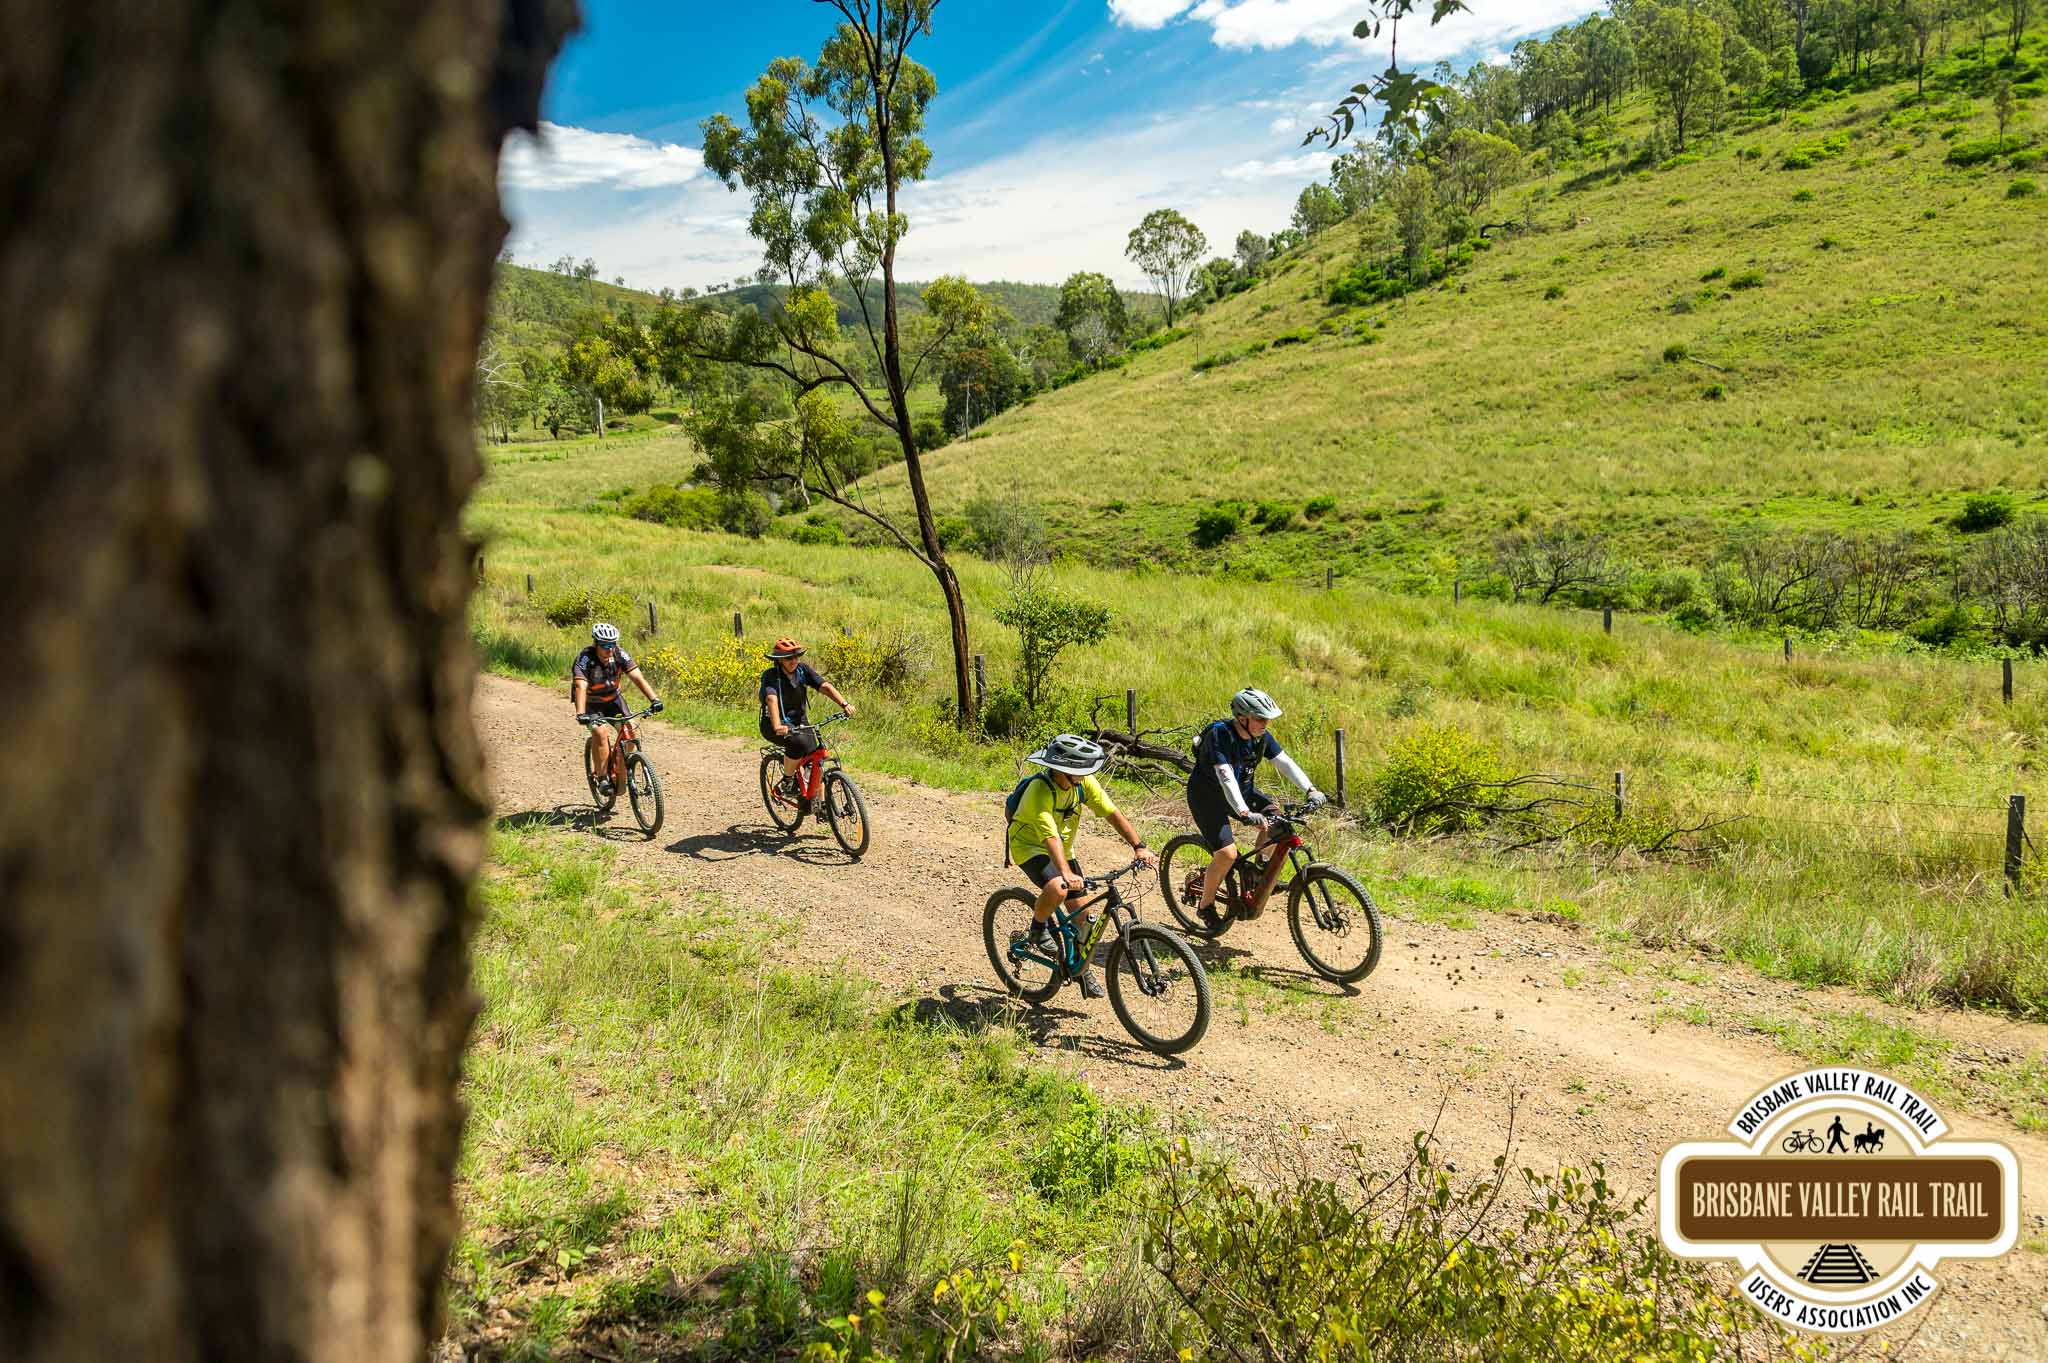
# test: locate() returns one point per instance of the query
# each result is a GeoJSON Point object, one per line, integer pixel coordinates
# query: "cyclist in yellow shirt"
{"type": "Point", "coordinates": [1045, 816]}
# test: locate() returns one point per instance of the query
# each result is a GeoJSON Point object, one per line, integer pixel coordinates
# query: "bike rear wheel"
{"type": "Point", "coordinates": [1023, 969]}
{"type": "Point", "coordinates": [1336, 925]}
{"type": "Point", "coordinates": [598, 798]}
{"type": "Point", "coordinates": [1181, 864]}
{"type": "Point", "coordinates": [1158, 988]}
{"type": "Point", "coordinates": [782, 811]}
{"type": "Point", "coordinates": [643, 789]}
{"type": "Point", "coordinates": [846, 812]}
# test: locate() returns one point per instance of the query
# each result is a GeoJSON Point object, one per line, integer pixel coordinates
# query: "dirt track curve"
{"type": "Point", "coordinates": [1474, 1014]}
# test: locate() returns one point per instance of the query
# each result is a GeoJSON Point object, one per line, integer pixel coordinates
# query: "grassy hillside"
{"type": "Point", "coordinates": [1866, 794]}
{"type": "Point", "coordinates": [1865, 338]}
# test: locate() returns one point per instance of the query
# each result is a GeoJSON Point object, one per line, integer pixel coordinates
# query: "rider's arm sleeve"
{"type": "Point", "coordinates": [1096, 798]}
{"type": "Point", "coordinates": [1227, 779]}
{"type": "Point", "coordinates": [1291, 769]}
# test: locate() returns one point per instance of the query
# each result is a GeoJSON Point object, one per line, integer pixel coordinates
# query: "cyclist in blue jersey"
{"type": "Point", "coordinates": [595, 691]}
{"type": "Point", "coordinates": [1224, 785]}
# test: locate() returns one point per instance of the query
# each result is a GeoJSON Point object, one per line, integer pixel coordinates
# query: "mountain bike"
{"type": "Point", "coordinates": [1156, 982]}
{"type": "Point", "coordinates": [1336, 925]}
{"type": "Point", "coordinates": [818, 775]}
{"type": "Point", "coordinates": [630, 769]}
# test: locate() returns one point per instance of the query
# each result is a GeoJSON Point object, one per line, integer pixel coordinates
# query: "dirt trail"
{"type": "Point", "coordinates": [1473, 1014]}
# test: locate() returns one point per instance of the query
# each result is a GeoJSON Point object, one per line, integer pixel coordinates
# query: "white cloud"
{"type": "Point", "coordinates": [1281, 23]}
{"type": "Point", "coordinates": [1307, 166]}
{"type": "Point", "coordinates": [1038, 213]}
{"type": "Point", "coordinates": [577, 158]}
{"type": "Point", "coordinates": [1146, 13]}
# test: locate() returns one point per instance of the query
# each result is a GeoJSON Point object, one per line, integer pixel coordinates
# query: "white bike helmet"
{"type": "Point", "coordinates": [604, 634]}
{"type": "Point", "coordinates": [1255, 703]}
{"type": "Point", "coordinates": [1072, 754]}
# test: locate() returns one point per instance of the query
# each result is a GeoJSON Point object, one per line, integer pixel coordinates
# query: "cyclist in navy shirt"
{"type": "Point", "coordinates": [1224, 785]}
{"type": "Point", "coordinates": [785, 695]}
{"type": "Point", "coordinates": [594, 690]}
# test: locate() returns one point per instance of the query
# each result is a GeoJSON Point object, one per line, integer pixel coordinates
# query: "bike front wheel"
{"type": "Point", "coordinates": [783, 811]}
{"type": "Point", "coordinates": [598, 797]}
{"type": "Point", "coordinates": [1024, 969]}
{"type": "Point", "coordinates": [643, 789]}
{"type": "Point", "coordinates": [1182, 863]}
{"type": "Point", "coordinates": [1336, 925]}
{"type": "Point", "coordinates": [846, 812]}
{"type": "Point", "coordinates": [1158, 988]}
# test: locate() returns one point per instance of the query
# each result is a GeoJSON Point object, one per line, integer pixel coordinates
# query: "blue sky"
{"type": "Point", "coordinates": [1059, 123]}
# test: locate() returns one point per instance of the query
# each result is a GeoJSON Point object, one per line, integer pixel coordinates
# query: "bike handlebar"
{"type": "Point", "coordinates": [839, 718]}
{"type": "Point", "coordinates": [586, 720]}
{"type": "Point", "coordinates": [1104, 881]}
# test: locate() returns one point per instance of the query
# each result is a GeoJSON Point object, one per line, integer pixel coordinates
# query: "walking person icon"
{"type": "Point", "coordinates": [1835, 1133]}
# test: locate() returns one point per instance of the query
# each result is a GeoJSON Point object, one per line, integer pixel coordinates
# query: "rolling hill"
{"type": "Point", "coordinates": [1811, 320]}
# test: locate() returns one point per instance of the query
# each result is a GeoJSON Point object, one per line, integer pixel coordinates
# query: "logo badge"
{"type": "Point", "coordinates": [1839, 1196]}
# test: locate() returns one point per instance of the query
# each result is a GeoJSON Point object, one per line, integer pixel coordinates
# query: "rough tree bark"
{"type": "Point", "coordinates": [244, 254]}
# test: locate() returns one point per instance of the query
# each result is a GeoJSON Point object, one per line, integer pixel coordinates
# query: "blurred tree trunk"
{"type": "Point", "coordinates": [244, 254]}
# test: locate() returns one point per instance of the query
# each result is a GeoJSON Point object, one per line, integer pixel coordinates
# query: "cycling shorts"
{"type": "Point", "coordinates": [796, 743]}
{"type": "Point", "coordinates": [1040, 868]}
{"type": "Point", "coordinates": [611, 709]}
{"type": "Point", "coordinates": [1212, 812]}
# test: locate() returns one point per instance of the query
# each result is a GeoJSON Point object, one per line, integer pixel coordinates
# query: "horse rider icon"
{"type": "Point", "coordinates": [1835, 1133]}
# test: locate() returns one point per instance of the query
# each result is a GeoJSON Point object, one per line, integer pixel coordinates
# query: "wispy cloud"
{"type": "Point", "coordinates": [1146, 13]}
{"type": "Point", "coordinates": [577, 158]}
{"type": "Point", "coordinates": [1326, 23]}
{"type": "Point", "coordinates": [1306, 166]}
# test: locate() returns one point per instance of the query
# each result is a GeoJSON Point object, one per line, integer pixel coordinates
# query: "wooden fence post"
{"type": "Point", "coordinates": [980, 682]}
{"type": "Point", "coordinates": [1607, 619]}
{"type": "Point", "coordinates": [529, 584]}
{"type": "Point", "coordinates": [1340, 769]}
{"type": "Point", "coordinates": [479, 567]}
{"type": "Point", "coordinates": [1788, 648]}
{"type": "Point", "coordinates": [739, 628]}
{"type": "Point", "coordinates": [2015, 840]}
{"type": "Point", "coordinates": [1329, 577]}
{"type": "Point", "coordinates": [1131, 711]}
{"type": "Point", "coordinates": [1457, 590]}
{"type": "Point", "coordinates": [2008, 681]}
{"type": "Point", "coordinates": [653, 622]}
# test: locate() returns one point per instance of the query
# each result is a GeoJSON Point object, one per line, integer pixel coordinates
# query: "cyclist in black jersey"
{"type": "Point", "coordinates": [1224, 785]}
{"type": "Point", "coordinates": [594, 689]}
{"type": "Point", "coordinates": [785, 694]}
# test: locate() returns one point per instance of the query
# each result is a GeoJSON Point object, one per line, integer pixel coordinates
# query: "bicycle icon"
{"type": "Point", "coordinates": [1799, 1142]}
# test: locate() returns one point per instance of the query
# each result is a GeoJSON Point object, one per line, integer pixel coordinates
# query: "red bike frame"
{"type": "Point", "coordinates": [810, 773]}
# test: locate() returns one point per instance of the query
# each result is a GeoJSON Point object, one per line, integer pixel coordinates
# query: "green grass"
{"type": "Point", "coordinates": [671, 1137]}
{"type": "Point", "coordinates": [1868, 790]}
{"type": "Point", "coordinates": [1870, 385]}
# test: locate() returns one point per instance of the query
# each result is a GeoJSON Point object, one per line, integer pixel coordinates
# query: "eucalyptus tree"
{"type": "Point", "coordinates": [1408, 100]}
{"type": "Point", "coordinates": [1168, 248]}
{"type": "Point", "coordinates": [824, 155]}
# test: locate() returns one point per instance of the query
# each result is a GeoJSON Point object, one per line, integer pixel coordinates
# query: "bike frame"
{"type": "Point", "coordinates": [1075, 951]}
{"type": "Point", "coordinates": [1289, 850]}
{"type": "Point", "coordinates": [626, 742]}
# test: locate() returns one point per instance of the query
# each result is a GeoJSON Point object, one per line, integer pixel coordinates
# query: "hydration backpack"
{"type": "Point", "coordinates": [1010, 804]}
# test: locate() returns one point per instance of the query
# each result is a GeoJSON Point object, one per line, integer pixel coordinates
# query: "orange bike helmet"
{"type": "Point", "coordinates": [786, 647]}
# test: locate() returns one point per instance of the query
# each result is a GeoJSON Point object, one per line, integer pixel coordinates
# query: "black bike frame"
{"type": "Point", "coordinates": [1114, 908]}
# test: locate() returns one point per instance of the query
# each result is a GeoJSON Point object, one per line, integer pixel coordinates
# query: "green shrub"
{"type": "Point", "coordinates": [1490, 587]}
{"type": "Point", "coordinates": [583, 606]}
{"type": "Point", "coordinates": [1299, 336]}
{"type": "Point", "coordinates": [1748, 279]}
{"type": "Point", "coordinates": [2021, 189]}
{"type": "Point", "coordinates": [1810, 154]}
{"type": "Point", "coordinates": [1674, 587]}
{"type": "Point", "coordinates": [1005, 530]}
{"type": "Point", "coordinates": [1975, 152]}
{"type": "Point", "coordinates": [1270, 513]}
{"type": "Point", "coordinates": [1433, 781]}
{"type": "Point", "coordinates": [1942, 628]}
{"type": "Point", "coordinates": [819, 531]}
{"type": "Point", "coordinates": [1215, 525]}
{"type": "Point", "coordinates": [1091, 1155]}
{"type": "Point", "coordinates": [1005, 713]}
{"type": "Point", "coordinates": [1696, 614]}
{"type": "Point", "coordinates": [1804, 196]}
{"type": "Point", "coordinates": [1827, 243]}
{"type": "Point", "coordinates": [1419, 1264]}
{"type": "Point", "coordinates": [1675, 352]}
{"type": "Point", "coordinates": [1319, 507]}
{"type": "Point", "coordinates": [893, 663]}
{"type": "Point", "coordinates": [1718, 272]}
{"type": "Point", "coordinates": [745, 513]}
{"type": "Point", "coordinates": [1555, 291]}
{"type": "Point", "coordinates": [1714, 392]}
{"type": "Point", "coordinates": [1984, 511]}
{"type": "Point", "coordinates": [686, 508]}
{"type": "Point", "coordinates": [2027, 160]}
{"type": "Point", "coordinates": [955, 532]}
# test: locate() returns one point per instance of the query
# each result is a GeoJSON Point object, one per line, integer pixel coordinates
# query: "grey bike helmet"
{"type": "Point", "coordinates": [1255, 703]}
{"type": "Point", "coordinates": [1072, 754]}
{"type": "Point", "coordinates": [604, 634]}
